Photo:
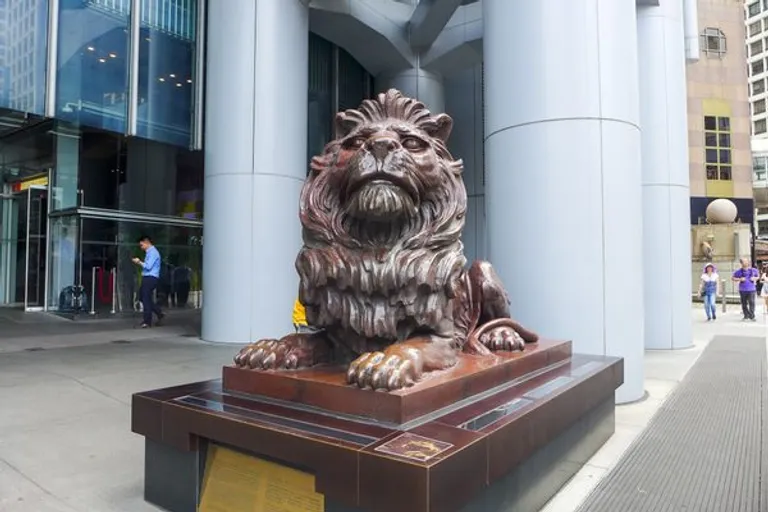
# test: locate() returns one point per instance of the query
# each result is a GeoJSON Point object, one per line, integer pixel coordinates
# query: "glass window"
{"type": "Point", "coordinates": [65, 193]}
{"type": "Point", "coordinates": [23, 55]}
{"type": "Point", "coordinates": [336, 82]}
{"type": "Point", "coordinates": [758, 86]}
{"type": "Point", "coordinates": [166, 70]}
{"type": "Point", "coordinates": [754, 9]}
{"type": "Point", "coordinates": [108, 244]}
{"type": "Point", "coordinates": [713, 41]}
{"type": "Point", "coordinates": [320, 113]}
{"type": "Point", "coordinates": [63, 266]}
{"type": "Point", "coordinates": [757, 67]}
{"type": "Point", "coordinates": [755, 28]}
{"type": "Point", "coordinates": [717, 151]}
{"type": "Point", "coordinates": [140, 175]}
{"type": "Point", "coordinates": [354, 81]}
{"type": "Point", "coordinates": [758, 107]}
{"type": "Point", "coordinates": [759, 126]}
{"type": "Point", "coordinates": [756, 48]}
{"type": "Point", "coordinates": [92, 85]}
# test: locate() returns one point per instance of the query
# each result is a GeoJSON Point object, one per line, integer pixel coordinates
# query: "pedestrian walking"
{"type": "Point", "coordinates": [747, 276]}
{"type": "Point", "coordinates": [709, 288]}
{"type": "Point", "coordinates": [150, 277]}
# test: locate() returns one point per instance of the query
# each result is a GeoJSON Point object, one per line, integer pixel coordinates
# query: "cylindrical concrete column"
{"type": "Point", "coordinates": [418, 83]}
{"type": "Point", "coordinates": [255, 163]}
{"type": "Point", "coordinates": [563, 172]}
{"type": "Point", "coordinates": [665, 177]}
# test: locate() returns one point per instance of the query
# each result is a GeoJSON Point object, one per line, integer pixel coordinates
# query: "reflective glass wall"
{"type": "Point", "coordinates": [129, 72]}
{"type": "Point", "coordinates": [93, 63]}
{"type": "Point", "coordinates": [167, 52]}
{"type": "Point", "coordinates": [113, 281]}
{"type": "Point", "coordinates": [23, 54]}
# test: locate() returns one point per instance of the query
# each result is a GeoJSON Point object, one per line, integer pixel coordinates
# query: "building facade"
{"type": "Point", "coordinates": [719, 113]}
{"type": "Point", "coordinates": [756, 33]}
{"type": "Point", "coordinates": [179, 117]}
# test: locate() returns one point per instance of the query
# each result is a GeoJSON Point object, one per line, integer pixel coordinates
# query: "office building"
{"type": "Point", "coordinates": [756, 22]}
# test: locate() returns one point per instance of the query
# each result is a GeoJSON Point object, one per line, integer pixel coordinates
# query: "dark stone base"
{"type": "Point", "coordinates": [538, 479]}
{"type": "Point", "coordinates": [509, 448]}
{"type": "Point", "coordinates": [173, 477]}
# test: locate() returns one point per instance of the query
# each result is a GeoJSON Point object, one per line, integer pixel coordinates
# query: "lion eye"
{"type": "Point", "coordinates": [356, 142]}
{"type": "Point", "coordinates": [413, 144]}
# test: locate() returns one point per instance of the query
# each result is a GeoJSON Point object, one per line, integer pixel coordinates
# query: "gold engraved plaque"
{"type": "Point", "coordinates": [412, 446]}
{"type": "Point", "coordinates": [236, 482]}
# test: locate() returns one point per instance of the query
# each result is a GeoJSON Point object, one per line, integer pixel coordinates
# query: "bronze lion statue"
{"type": "Point", "coordinates": [382, 270]}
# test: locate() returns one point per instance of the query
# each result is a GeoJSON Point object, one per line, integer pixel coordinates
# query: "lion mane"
{"type": "Point", "coordinates": [382, 282]}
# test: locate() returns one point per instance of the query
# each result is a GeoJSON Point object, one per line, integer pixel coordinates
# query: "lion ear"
{"type": "Point", "coordinates": [443, 124]}
{"type": "Point", "coordinates": [344, 124]}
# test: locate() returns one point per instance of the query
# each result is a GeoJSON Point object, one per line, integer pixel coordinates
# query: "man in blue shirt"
{"type": "Point", "coordinates": [150, 272]}
{"type": "Point", "coordinates": [747, 276]}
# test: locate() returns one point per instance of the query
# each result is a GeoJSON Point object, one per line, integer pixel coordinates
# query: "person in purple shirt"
{"type": "Point", "coordinates": [747, 276]}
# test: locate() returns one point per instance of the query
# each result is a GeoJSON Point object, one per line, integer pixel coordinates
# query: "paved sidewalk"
{"type": "Point", "coordinates": [663, 372]}
{"type": "Point", "coordinates": [65, 438]}
{"type": "Point", "coordinates": [36, 331]}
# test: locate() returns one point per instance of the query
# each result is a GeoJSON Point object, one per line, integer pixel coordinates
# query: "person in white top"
{"type": "Point", "coordinates": [764, 290]}
{"type": "Point", "coordinates": [709, 287]}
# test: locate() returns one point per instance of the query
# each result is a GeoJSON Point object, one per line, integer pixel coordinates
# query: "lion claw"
{"type": "Point", "coordinates": [502, 338]}
{"type": "Point", "coordinates": [289, 353]}
{"type": "Point", "coordinates": [379, 370]}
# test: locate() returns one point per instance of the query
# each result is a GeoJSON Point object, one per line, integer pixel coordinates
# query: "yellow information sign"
{"type": "Point", "coordinates": [235, 482]}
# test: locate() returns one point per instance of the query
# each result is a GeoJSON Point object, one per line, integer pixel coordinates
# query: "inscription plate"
{"type": "Point", "coordinates": [415, 447]}
{"type": "Point", "coordinates": [235, 482]}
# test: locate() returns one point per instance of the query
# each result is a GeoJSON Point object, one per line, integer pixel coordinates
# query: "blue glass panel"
{"type": "Point", "coordinates": [166, 70]}
{"type": "Point", "coordinates": [92, 86]}
{"type": "Point", "coordinates": [23, 54]}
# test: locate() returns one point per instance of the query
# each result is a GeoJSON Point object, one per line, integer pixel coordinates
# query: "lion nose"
{"type": "Point", "coordinates": [380, 147]}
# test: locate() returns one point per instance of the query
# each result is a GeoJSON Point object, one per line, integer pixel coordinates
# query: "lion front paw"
{"type": "Point", "coordinates": [289, 353]}
{"type": "Point", "coordinates": [502, 338]}
{"type": "Point", "coordinates": [388, 370]}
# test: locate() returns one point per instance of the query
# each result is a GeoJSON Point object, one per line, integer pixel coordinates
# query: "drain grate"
{"type": "Point", "coordinates": [34, 349]}
{"type": "Point", "coordinates": [120, 342]}
{"type": "Point", "coordinates": [704, 450]}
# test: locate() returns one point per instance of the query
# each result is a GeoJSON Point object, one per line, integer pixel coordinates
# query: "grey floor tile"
{"type": "Point", "coordinates": [144, 380]}
{"type": "Point", "coordinates": [91, 461]}
{"type": "Point", "coordinates": [39, 404]}
{"type": "Point", "coordinates": [19, 494]}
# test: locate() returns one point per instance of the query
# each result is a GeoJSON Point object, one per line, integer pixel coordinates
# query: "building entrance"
{"type": "Point", "coordinates": [23, 245]}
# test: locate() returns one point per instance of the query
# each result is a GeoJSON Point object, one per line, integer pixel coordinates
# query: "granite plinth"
{"type": "Point", "coordinates": [455, 457]}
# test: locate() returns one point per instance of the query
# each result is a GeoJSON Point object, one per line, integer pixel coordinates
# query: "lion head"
{"type": "Point", "coordinates": [382, 212]}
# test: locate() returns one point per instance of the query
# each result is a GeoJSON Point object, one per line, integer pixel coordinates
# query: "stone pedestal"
{"type": "Point", "coordinates": [492, 434]}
